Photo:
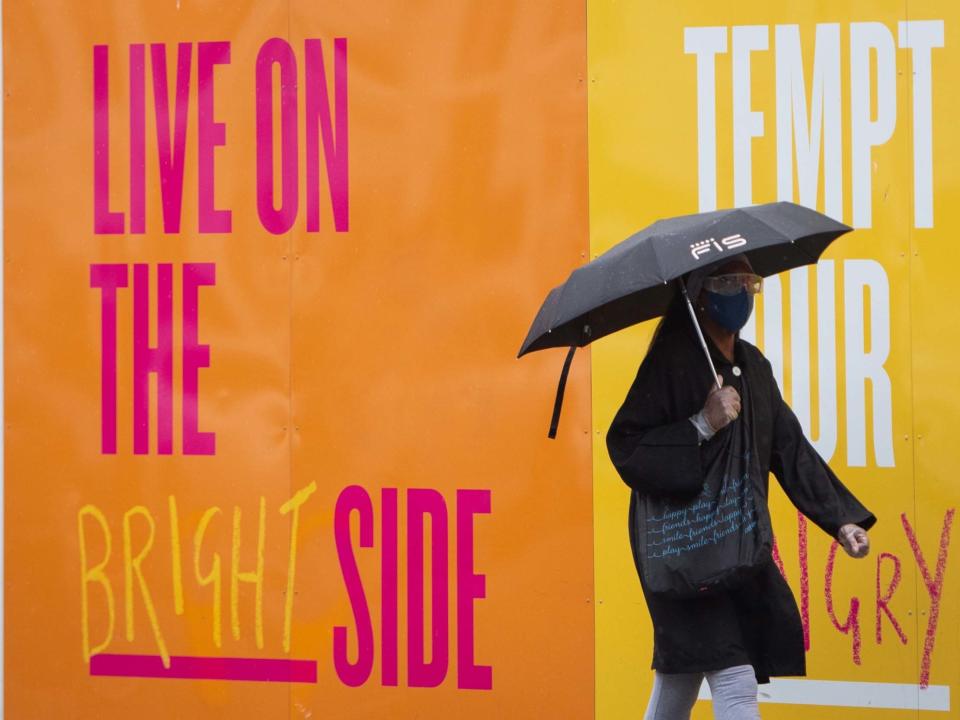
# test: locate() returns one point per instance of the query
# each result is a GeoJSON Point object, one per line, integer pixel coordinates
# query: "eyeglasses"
{"type": "Point", "coordinates": [734, 283]}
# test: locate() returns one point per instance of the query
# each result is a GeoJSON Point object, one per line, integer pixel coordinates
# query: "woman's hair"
{"type": "Point", "coordinates": [672, 320]}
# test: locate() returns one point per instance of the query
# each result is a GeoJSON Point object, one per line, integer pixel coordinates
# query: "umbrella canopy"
{"type": "Point", "coordinates": [631, 282]}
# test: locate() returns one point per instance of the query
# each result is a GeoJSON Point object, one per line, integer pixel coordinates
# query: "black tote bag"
{"type": "Point", "coordinates": [693, 546]}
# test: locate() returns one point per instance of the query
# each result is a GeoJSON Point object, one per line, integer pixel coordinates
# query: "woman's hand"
{"type": "Point", "coordinates": [854, 540]}
{"type": "Point", "coordinates": [722, 406]}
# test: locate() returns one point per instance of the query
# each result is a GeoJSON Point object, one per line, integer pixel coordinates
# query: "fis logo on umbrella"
{"type": "Point", "coordinates": [698, 249]}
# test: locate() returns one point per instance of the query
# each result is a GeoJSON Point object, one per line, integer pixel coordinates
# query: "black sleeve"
{"type": "Point", "coordinates": [807, 479]}
{"type": "Point", "coordinates": [654, 453]}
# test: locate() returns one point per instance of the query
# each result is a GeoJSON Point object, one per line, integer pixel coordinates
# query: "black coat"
{"type": "Point", "coordinates": [656, 450]}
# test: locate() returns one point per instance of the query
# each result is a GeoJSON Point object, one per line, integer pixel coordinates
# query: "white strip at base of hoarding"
{"type": "Point", "coordinates": [833, 693]}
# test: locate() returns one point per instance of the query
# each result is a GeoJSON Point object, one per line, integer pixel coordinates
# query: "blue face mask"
{"type": "Point", "coordinates": [730, 312]}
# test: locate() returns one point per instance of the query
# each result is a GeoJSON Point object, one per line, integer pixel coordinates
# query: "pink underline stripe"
{"type": "Point", "coordinates": [205, 668]}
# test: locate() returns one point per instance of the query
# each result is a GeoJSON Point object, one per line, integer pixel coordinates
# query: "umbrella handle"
{"type": "Point", "coordinates": [696, 325]}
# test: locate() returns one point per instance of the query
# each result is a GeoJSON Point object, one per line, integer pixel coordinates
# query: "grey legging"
{"type": "Point", "coordinates": [734, 692]}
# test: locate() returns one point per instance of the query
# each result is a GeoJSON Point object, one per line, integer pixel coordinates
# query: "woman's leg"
{"type": "Point", "coordinates": [734, 691]}
{"type": "Point", "coordinates": [673, 696]}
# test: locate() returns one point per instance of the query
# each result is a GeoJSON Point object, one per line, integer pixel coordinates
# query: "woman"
{"type": "Point", "coordinates": [661, 440]}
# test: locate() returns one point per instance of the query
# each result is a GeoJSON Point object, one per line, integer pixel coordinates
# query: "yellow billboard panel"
{"type": "Point", "coordinates": [847, 109]}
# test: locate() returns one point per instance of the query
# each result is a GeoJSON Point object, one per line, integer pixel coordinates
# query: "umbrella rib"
{"type": "Point", "coordinates": [557, 321]}
{"type": "Point", "coordinates": [656, 257]}
{"type": "Point", "coordinates": [813, 260]}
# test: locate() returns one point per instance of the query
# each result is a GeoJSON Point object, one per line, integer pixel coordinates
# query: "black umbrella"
{"type": "Point", "coordinates": [631, 282]}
